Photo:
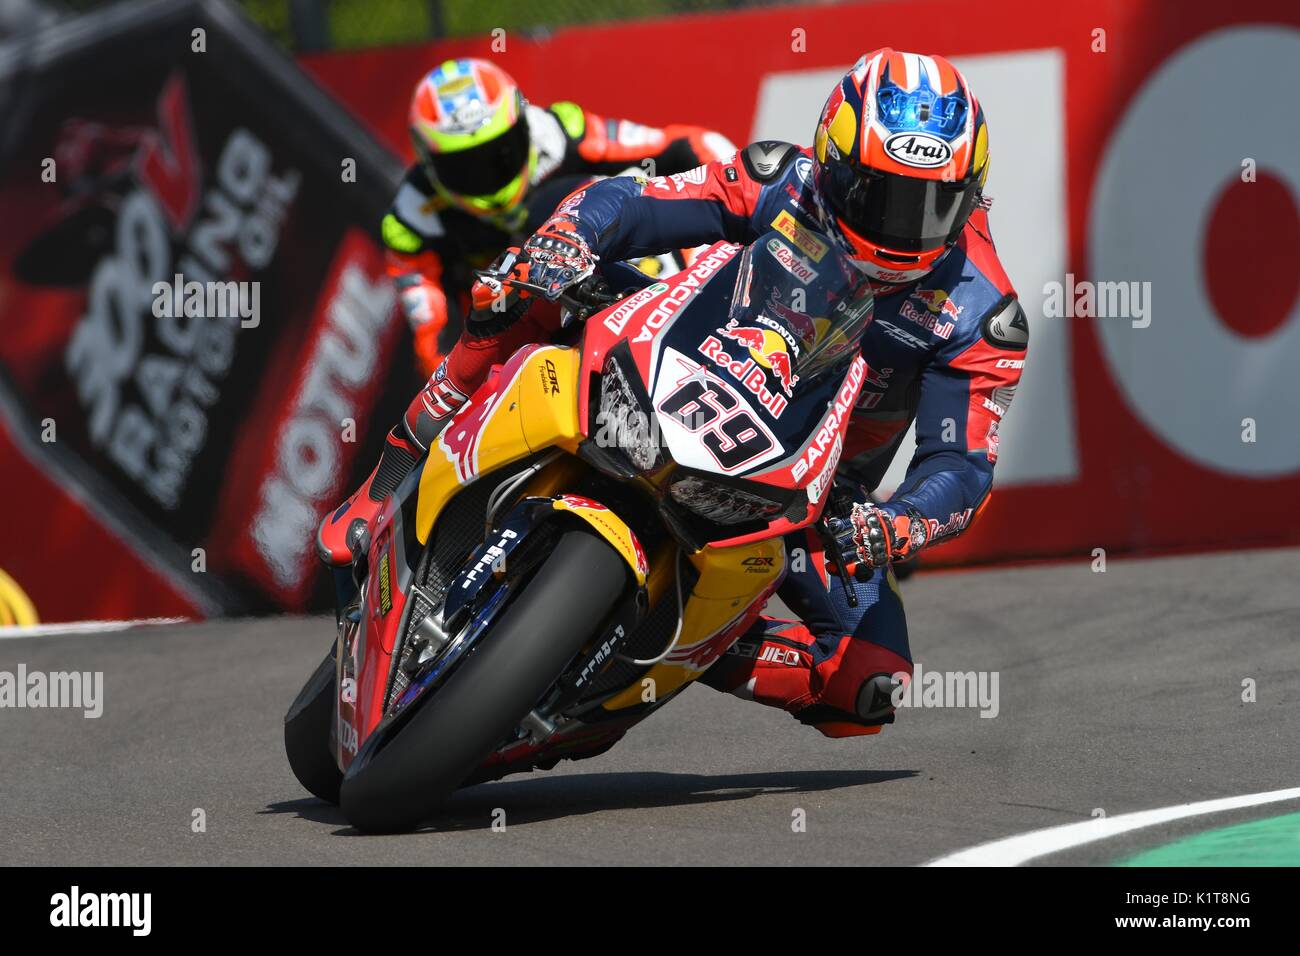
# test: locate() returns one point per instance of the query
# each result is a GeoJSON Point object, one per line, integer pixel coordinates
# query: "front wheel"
{"type": "Point", "coordinates": [491, 691]}
{"type": "Point", "coordinates": [307, 734]}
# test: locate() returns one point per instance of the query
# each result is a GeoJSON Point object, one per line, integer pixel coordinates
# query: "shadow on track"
{"type": "Point", "coordinates": [540, 799]}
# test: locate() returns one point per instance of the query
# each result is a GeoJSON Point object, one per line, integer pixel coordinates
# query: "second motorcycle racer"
{"type": "Point", "coordinates": [490, 167]}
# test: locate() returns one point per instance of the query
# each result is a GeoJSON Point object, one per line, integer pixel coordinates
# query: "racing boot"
{"type": "Point", "coordinates": [343, 532]}
{"type": "Point", "coordinates": [840, 686]}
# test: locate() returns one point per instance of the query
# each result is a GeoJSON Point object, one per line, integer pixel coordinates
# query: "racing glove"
{"type": "Point", "coordinates": [877, 537]}
{"type": "Point", "coordinates": [558, 257]}
{"type": "Point", "coordinates": [425, 306]}
{"type": "Point", "coordinates": [495, 302]}
{"type": "Point", "coordinates": [554, 260]}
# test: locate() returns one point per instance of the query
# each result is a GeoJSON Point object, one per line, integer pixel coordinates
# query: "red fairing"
{"type": "Point", "coordinates": [821, 452]}
{"type": "Point", "coordinates": [640, 318]}
{"type": "Point", "coordinates": [813, 467]}
{"type": "Point", "coordinates": [380, 631]}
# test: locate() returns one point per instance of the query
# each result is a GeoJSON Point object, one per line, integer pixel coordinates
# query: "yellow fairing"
{"type": "Point", "coordinates": [610, 527]}
{"type": "Point", "coordinates": [731, 581]}
{"type": "Point", "coordinates": [536, 408]}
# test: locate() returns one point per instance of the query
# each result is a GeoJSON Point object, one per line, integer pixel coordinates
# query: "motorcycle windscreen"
{"type": "Point", "coordinates": [799, 313]}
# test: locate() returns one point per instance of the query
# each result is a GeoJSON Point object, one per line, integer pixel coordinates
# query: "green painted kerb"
{"type": "Point", "coordinates": [1271, 842]}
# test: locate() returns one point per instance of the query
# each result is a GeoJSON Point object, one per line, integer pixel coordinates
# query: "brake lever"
{"type": "Point", "coordinates": [508, 283]}
{"type": "Point", "coordinates": [583, 309]}
{"type": "Point", "coordinates": [580, 307]}
{"type": "Point", "coordinates": [841, 569]}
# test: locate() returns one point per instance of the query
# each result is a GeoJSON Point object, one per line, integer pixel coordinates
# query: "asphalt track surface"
{"type": "Point", "coordinates": [1119, 691]}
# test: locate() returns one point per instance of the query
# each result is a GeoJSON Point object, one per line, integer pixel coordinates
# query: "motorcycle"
{"type": "Point", "coordinates": [592, 530]}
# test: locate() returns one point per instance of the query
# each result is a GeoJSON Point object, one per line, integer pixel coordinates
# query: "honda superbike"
{"type": "Point", "coordinates": [590, 532]}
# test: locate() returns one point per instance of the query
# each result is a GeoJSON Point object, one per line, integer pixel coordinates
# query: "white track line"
{"type": "Point", "coordinates": [1015, 850]}
{"type": "Point", "coordinates": [85, 627]}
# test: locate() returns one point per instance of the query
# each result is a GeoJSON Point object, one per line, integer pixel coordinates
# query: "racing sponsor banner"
{"type": "Point", "coordinates": [196, 317]}
{"type": "Point", "coordinates": [1152, 243]}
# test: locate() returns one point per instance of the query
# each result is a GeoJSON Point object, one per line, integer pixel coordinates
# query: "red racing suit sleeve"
{"type": "Point", "coordinates": [965, 392]}
{"type": "Point", "coordinates": [418, 280]}
{"type": "Point", "coordinates": [609, 146]}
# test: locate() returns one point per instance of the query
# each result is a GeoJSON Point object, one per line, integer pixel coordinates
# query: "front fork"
{"type": "Point", "coordinates": [345, 595]}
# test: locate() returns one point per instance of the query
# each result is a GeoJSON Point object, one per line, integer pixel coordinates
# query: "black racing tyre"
{"type": "Point", "coordinates": [491, 690]}
{"type": "Point", "coordinates": [307, 734]}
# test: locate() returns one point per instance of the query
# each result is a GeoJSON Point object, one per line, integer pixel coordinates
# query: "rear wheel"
{"type": "Point", "coordinates": [307, 734]}
{"type": "Point", "coordinates": [491, 691]}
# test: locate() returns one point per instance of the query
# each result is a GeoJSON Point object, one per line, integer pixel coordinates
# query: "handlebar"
{"type": "Point", "coordinates": [583, 300]}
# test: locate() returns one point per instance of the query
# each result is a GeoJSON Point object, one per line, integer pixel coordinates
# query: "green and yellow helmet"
{"type": "Point", "coordinates": [470, 131]}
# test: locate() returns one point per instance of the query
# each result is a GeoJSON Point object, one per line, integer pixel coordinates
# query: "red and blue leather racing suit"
{"type": "Point", "coordinates": [944, 352]}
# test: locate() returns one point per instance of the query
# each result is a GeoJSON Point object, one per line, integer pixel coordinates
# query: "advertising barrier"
{"type": "Point", "coordinates": [194, 309]}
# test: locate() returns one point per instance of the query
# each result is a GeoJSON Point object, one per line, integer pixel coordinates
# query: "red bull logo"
{"type": "Point", "coordinates": [768, 348]}
{"type": "Point", "coordinates": [780, 362]}
{"type": "Point", "coordinates": [879, 378]}
{"type": "Point", "coordinates": [801, 323]}
{"type": "Point", "coordinates": [936, 305]}
{"type": "Point", "coordinates": [747, 336]}
{"type": "Point", "coordinates": [937, 301]}
{"type": "Point", "coordinates": [747, 371]}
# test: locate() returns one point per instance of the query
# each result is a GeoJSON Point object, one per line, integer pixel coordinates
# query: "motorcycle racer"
{"type": "Point", "coordinates": [489, 167]}
{"type": "Point", "coordinates": [894, 178]}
